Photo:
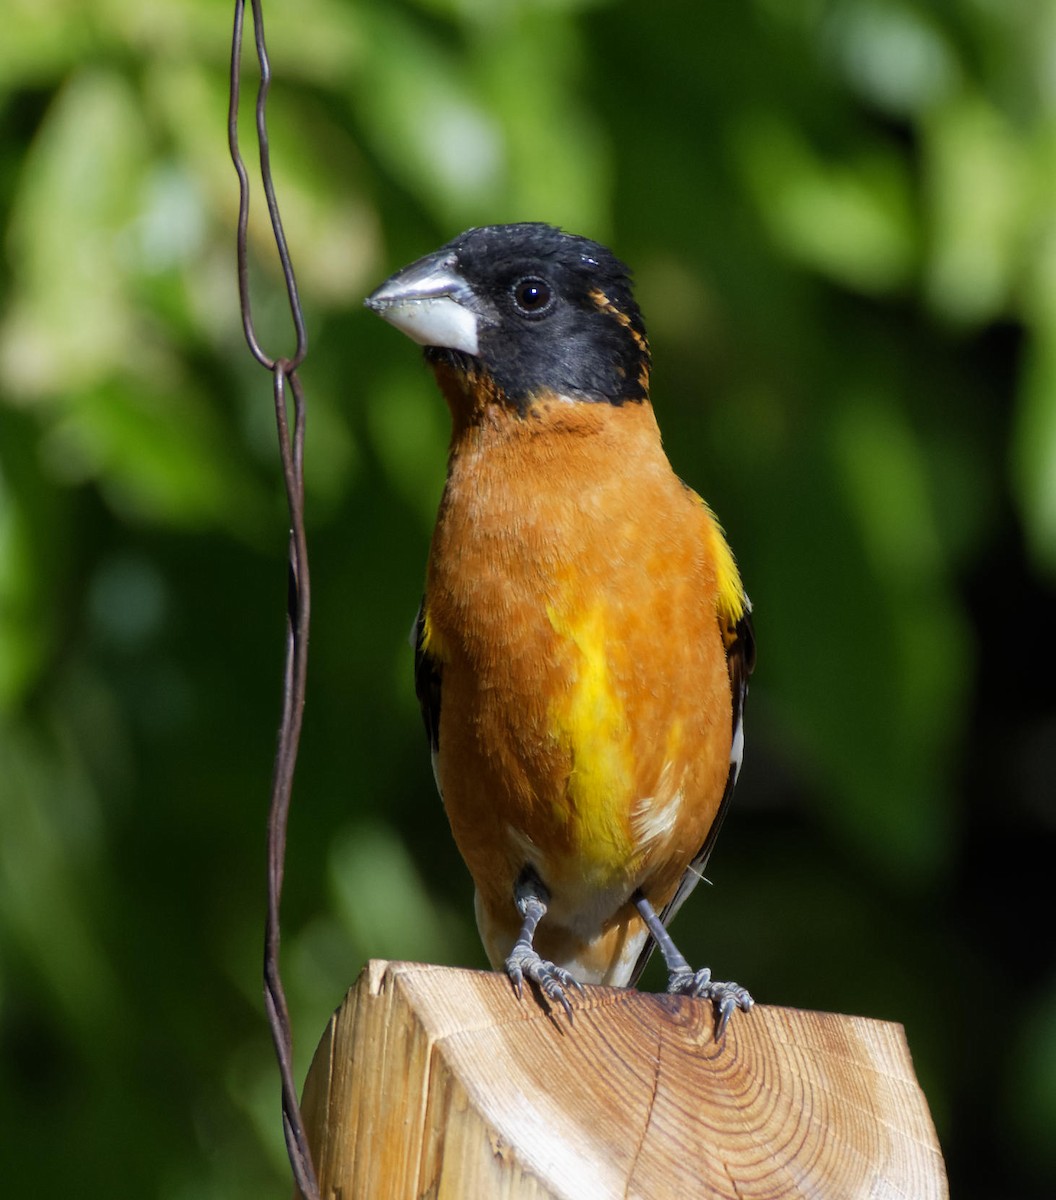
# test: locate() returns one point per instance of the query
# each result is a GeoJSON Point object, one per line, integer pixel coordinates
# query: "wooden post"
{"type": "Point", "coordinates": [433, 1082]}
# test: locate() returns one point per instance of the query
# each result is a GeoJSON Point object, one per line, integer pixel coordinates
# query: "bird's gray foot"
{"type": "Point", "coordinates": [725, 996]}
{"type": "Point", "coordinates": [682, 980]}
{"type": "Point", "coordinates": [525, 962]}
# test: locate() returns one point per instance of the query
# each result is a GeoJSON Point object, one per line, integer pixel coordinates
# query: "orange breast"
{"type": "Point", "coordinates": [585, 713]}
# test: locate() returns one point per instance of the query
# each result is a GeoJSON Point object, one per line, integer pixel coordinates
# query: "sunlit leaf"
{"type": "Point", "coordinates": [977, 181]}
{"type": "Point", "coordinates": [851, 220]}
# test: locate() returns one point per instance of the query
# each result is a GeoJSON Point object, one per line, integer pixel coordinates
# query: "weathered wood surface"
{"type": "Point", "coordinates": [437, 1082]}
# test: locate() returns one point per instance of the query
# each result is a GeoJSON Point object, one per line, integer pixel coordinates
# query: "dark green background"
{"type": "Point", "coordinates": [841, 217]}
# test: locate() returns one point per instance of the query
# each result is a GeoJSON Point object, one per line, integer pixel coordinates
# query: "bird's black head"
{"type": "Point", "coordinates": [534, 309]}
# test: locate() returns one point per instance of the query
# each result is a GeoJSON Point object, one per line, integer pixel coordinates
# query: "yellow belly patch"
{"type": "Point", "coordinates": [590, 722]}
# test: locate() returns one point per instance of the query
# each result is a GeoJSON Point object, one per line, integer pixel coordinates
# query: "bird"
{"type": "Point", "coordinates": [583, 646]}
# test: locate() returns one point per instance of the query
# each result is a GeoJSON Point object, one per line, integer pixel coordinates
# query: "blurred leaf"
{"type": "Point", "coordinates": [894, 54]}
{"type": "Point", "coordinates": [71, 320]}
{"type": "Point", "coordinates": [410, 428]}
{"type": "Point", "coordinates": [381, 899]}
{"type": "Point", "coordinates": [885, 478]}
{"type": "Point", "coordinates": [157, 455]}
{"type": "Point", "coordinates": [978, 183]}
{"type": "Point", "coordinates": [424, 121]}
{"type": "Point", "coordinates": [554, 128]}
{"type": "Point", "coordinates": [461, 137]}
{"type": "Point", "coordinates": [42, 40]}
{"type": "Point", "coordinates": [50, 819]}
{"type": "Point", "coordinates": [852, 221]}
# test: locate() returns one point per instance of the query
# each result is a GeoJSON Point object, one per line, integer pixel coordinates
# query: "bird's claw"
{"type": "Point", "coordinates": [548, 977]}
{"type": "Point", "coordinates": [725, 996]}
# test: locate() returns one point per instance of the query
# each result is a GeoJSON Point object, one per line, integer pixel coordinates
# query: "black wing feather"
{"type": "Point", "coordinates": [427, 685]}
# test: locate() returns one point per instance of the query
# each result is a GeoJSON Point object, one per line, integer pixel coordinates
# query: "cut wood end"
{"type": "Point", "coordinates": [431, 1081]}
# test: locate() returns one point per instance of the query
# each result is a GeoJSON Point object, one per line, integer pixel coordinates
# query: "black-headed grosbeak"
{"type": "Point", "coordinates": [584, 644]}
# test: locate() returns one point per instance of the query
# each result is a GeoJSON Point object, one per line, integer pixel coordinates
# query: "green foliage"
{"type": "Point", "coordinates": [841, 215]}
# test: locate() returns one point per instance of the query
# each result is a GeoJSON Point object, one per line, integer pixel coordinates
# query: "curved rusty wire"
{"type": "Point", "coordinates": [291, 450]}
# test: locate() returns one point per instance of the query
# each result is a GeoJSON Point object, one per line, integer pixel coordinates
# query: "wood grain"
{"type": "Point", "coordinates": [433, 1082]}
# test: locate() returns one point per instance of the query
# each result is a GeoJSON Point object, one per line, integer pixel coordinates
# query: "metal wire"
{"type": "Point", "coordinates": [298, 608]}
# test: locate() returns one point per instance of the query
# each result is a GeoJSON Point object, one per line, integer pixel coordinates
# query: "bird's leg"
{"type": "Point", "coordinates": [531, 897]}
{"type": "Point", "coordinates": [684, 981]}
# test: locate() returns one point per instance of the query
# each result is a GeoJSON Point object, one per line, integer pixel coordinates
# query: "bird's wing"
{"type": "Point", "coordinates": [427, 688]}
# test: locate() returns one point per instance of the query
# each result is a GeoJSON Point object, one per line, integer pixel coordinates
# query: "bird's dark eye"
{"type": "Point", "coordinates": [532, 296]}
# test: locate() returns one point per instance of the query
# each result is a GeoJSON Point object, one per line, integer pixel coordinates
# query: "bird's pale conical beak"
{"type": "Point", "coordinates": [431, 303]}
